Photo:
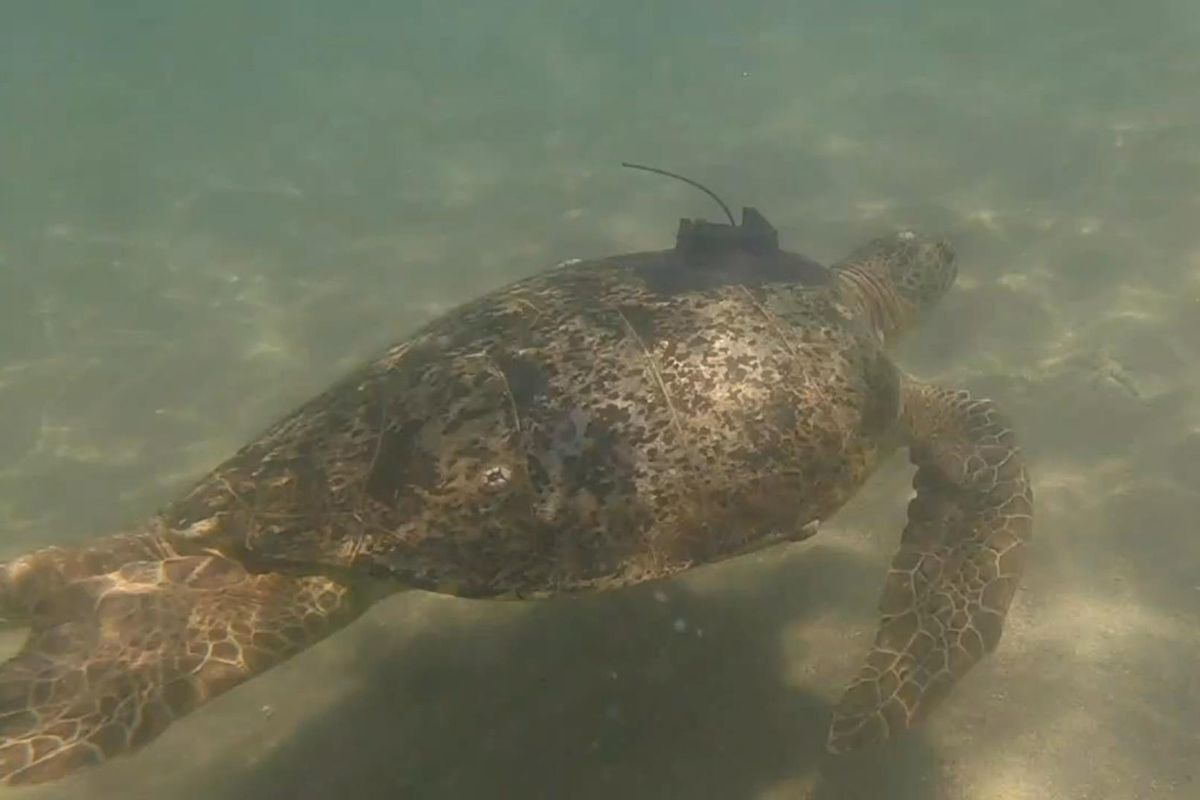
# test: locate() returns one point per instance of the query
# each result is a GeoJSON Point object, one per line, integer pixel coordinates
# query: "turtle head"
{"type": "Point", "coordinates": [921, 268]}
{"type": "Point", "coordinates": [894, 280]}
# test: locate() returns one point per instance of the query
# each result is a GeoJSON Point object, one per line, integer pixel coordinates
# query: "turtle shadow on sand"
{"type": "Point", "coordinates": [655, 691]}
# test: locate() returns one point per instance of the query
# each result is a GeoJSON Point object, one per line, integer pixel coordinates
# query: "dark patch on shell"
{"type": "Point", "coordinates": [527, 378]}
{"type": "Point", "coordinates": [400, 464]}
{"type": "Point", "coordinates": [671, 273]}
{"type": "Point", "coordinates": [641, 319]}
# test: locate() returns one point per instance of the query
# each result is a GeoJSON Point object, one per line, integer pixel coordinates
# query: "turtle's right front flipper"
{"type": "Point", "coordinates": [112, 659]}
{"type": "Point", "coordinates": [961, 555]}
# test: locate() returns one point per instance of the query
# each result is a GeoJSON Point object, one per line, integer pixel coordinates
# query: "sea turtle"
{"type": "Point", "coordinates": [603, 423]}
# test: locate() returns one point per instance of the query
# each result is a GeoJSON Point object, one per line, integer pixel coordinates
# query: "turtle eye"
{"type": "Point", "coordinates": [496, 478]}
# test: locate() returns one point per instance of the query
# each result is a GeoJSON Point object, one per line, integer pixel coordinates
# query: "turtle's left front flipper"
{"type": "Point", "coordinates": [961, 556]}
{"type": "Point", "coordinates": [113, 658]}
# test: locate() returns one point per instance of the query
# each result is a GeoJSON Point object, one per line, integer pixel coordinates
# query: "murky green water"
{"type": "Point", "coordinates": [208, 212]}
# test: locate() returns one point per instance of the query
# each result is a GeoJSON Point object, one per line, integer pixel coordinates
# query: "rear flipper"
{"type": "Point", "coordinates": [113, 659]}
{"type": "Point", "coordinates": [28, 581]}
{"type": "Point", "coordinates": [961, 556]}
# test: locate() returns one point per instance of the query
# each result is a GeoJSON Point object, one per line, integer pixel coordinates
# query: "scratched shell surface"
{"type": "Point", "coordinates": [605, 422]}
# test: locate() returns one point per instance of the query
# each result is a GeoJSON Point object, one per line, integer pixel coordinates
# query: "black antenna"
{"type": "Point", "coordinates": [704, 189]}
